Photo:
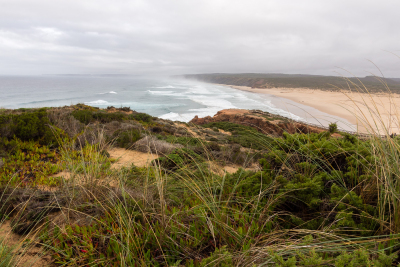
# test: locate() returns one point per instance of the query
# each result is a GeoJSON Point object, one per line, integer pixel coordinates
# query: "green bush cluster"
{"type": "Point", "coordinates": [126, 139]}
{"type": "Point", "coordinates": [246, 136]}
{"type": "Point", "coordinates": [89, 116]}
{"type": "Point", "coordinates": [316, 174]}
{"type": "Point", "coordinates": [31, 125]}
{"type": "Point", "coordinates": [357, 258]}
{"type": "Point", "coordinates": [179, 158]}
{"type": "Point", "coordinates": [332, 128]}
{"type": "Point", "coordinates": [143, 117]}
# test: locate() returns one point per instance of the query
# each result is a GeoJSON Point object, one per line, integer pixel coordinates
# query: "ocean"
{"type": "Point", "coordinates": [167, 98]}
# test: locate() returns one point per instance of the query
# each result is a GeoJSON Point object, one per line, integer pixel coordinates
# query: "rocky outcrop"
{"type": "Point", "coordinates": [264, 122]}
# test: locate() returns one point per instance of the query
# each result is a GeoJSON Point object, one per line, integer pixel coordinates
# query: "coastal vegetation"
{"type": "Point", "coordinates": [370, 84]}
{"type": "Point", "coordinates": [297, 195]}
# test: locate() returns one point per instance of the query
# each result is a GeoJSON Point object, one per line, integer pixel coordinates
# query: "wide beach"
{"type": "Point", "coordinates": [361, 109]}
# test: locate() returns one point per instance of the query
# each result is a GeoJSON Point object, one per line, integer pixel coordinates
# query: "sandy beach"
{"type": "Point", "coordinates": [360, 109]}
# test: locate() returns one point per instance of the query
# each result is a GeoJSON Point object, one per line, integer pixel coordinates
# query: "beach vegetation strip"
{"type": "Point", "coordinates": [374, 84]}
{"type": "Point", "coordinates": [312, 197]}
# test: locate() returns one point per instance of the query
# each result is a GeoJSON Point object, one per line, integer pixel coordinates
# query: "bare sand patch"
{"type": "Point", "coordinates": [224, 132]}
{"type": "Point", "coordinates": [127, 157]}
{"type": "Point", "coordinates": [361, 109]}
{"type": "Point", "coordinates": [31, 256]}
{"type": "Point", "coordinates": [231, 168]}
{"type": "Point", "coordinates": [65, 174]}
{"type": "Point", "coordinates": [124, 157]}
{"type": "Point", "coordinates": [235, 168]}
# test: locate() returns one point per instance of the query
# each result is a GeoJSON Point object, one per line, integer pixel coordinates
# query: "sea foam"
{"type": "Point", "coordinates": [97, 102]}
{"type": "Point", "coordinates": [111, 92]}
{"type": "Point", "coordinates": [161, 92]}
{"type": "Point", "coordinates": [164, 87]}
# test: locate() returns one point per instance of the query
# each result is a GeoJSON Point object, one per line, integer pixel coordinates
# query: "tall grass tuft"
{"type": "Point", "coordinates": [6, 255]}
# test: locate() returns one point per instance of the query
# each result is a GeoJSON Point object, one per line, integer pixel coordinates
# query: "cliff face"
{"type": "Point", "coordinates": [264, 122]}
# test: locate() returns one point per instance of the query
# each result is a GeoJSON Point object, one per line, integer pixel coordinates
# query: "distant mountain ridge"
{"type": "Point", "coordinates": [275, 80]}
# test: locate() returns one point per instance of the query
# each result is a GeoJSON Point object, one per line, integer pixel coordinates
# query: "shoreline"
{"type": "Point", "coordinates": [360, 109]}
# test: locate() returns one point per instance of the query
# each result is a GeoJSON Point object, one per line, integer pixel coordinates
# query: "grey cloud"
{"type": "Point", "coordinates": [188, 36]}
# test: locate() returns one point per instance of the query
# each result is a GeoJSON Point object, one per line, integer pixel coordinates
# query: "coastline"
{"type": "Point", "coordinates": [360, 109]}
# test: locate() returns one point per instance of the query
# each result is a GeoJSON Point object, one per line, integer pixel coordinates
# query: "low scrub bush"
{"type": "Point", "coordinates": [179, 158]}
{"type": "Point", "coordinates": [246, 136]}
{"type": "Point", "coordinates": [126, 139]}
{"type": "Point", "coordinates": [33, 125]}
{"type": "Point", "coordinates": [88, 116]}
{"type": "Point", "coordinates": [154, 145]}
{"type": "Point", "coordinates": [332, 128]}
{"type": "Point", "coordinates": [143, 117]}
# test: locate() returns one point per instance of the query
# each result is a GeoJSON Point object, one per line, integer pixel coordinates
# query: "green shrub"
{"type": "Point", "coordinates": [358, 258]}
{"type": "Point", "coordinates": [179, 158]}
{"type": "Point", "coordinates": [248, 184]}
{"type": "Point", "coordinates": [213, 146]}
{"type": "Point", "coordinates": [126, 139]}
{"type": "Point", "coordinates": [310, 259]}
{"type": "Point", "coordinates": [84, 116]}
{"type": "Point", "coordinates": [219, 258]}
{"type": "Point", "coordinates": [333, 128]}
{"type": "Point", "coordinates": [32, 125]}
{"type": "Point", "coordinates": [246, 136]}
{"type": "Point", "coordinates": [141, 117]}
{"type": "Point", "coordinates": [320, 174]}
{"type": "Point", "coordinates": [306, 188]}
{"type": "Point", "coordinates": [88, 116]}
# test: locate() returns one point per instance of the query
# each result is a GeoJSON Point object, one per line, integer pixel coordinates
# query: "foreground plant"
{"type": "Point", "coordinates": [6, 255]}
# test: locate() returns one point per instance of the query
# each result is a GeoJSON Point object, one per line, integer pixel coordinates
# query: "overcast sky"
{"type": "Point", "coordinates": [198, 36]}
